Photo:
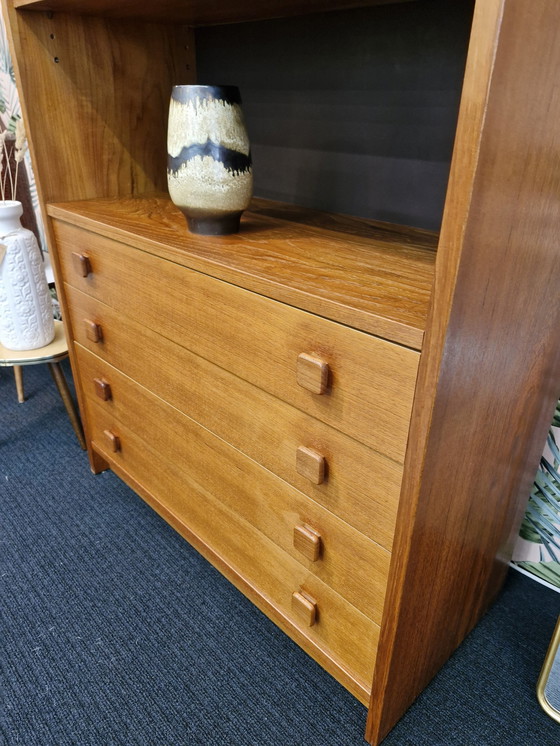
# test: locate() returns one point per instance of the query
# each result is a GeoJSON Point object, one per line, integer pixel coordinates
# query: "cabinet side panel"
{"type": "Point", "coordinates": [95, 94]}
{"type": "Point", "coordinates": [490, 370]}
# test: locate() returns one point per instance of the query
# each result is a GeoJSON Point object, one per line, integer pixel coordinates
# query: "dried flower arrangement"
{"type": "Point", "coordinates": [8, 179]}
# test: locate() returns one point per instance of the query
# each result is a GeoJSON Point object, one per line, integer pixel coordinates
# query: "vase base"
{"type": "Point", "coordinates": [213, 225]}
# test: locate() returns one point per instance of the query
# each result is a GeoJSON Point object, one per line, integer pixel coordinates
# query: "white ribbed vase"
{"type": "Point", "coordinates": [26, 316]}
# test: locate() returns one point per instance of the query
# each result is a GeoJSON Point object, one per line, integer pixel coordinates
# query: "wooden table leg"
{"type": "Point", "coordinates": [66, 396]}
{"type": "Point", "coordinates": [18, 374]}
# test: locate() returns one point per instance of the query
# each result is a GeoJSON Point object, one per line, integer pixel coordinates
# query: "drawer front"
{"type": "Point", "coordinates": [367, 383]}
{"type": "Point", "coordinates": [344, 635]}
{"type": "Point", "coordinates": [359, 485]}
{"type": "Point", "coordinates": [347, 561]}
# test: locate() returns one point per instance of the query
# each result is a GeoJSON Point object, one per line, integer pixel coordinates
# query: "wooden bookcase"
{"type": "Point", "coordinates": [453, 354]}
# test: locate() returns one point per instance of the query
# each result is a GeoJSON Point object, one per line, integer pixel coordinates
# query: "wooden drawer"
{"type": "Point", "coordinates": [369, 381]}
{"type": "Point", "coordinates": [349, 562]}
{"type": "Point", "coordinates": [360, 485]}
{"type": "Point", "coordinates": [342, 638]}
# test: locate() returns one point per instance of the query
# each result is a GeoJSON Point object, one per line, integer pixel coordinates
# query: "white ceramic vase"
{"type": "Point", "coordinates": [26, 316]}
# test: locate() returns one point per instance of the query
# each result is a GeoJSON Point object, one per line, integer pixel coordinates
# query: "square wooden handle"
{"type": "Point", "coordinates": [82, 265]}
{"type": "Point", "coordinates": [114, 440]}
{"type": "Point", "coordinates": [308, 542]}
{"type": "Point", "coordinates": [312, 373]}
{"type": "Point", "coordinates": [94, 332]}
{"type": "Point", "coordinates": [103, 389]}
{"type": "Point", "coordinates": [305, 608]}
{"type": "Point", "coordinates": [311, 464]}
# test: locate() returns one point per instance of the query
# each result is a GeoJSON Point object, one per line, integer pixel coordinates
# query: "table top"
{"type": "Point", "coordinates": [53, 352]}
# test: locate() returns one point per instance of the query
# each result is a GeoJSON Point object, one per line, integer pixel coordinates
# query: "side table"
{"type": "Point", "coordinates": [51, 354]}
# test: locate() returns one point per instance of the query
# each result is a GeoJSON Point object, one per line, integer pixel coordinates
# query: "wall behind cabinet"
{"type": "Point", "coordinates": [350, 111]}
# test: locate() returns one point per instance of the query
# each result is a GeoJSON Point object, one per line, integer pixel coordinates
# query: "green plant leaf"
{"type": "Point", "coordinates": [549, 571]}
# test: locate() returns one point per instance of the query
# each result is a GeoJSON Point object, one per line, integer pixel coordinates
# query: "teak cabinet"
{"type": "Point", "coordinates": [344, 416]}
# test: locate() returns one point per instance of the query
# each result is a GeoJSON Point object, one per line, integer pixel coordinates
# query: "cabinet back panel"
{"type": "Point", "coordinates": [351, 111]}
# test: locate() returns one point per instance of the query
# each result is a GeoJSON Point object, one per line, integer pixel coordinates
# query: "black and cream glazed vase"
{"type": "Point", "coordinates": [209, 171]}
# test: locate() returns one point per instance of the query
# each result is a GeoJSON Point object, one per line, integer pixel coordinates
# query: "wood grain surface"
{"type": "Point", "coordinates": [371, 381]}
{"type": "Point", "coordinates": [490, 370]}
{"type": "Point", "coordinates": [362, 486]}
{"type": "Point", "coordinates": [196, 12]}
{"type": "Point", "coordinates": [372, 276]}
{"type": "Point", "coordinates": [346, 637]}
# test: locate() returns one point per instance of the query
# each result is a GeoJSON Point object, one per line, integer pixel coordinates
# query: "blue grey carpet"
{"type": "Point", "coordinates": [116, 632]}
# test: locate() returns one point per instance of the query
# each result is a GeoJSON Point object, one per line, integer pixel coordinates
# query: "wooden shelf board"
{"type": "Point", "coordinates": [196, 12]}
{"type": "Point", "coordinates": [375, 277]}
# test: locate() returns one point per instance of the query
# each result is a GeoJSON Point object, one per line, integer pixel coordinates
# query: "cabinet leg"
{"type": "Point", "coordinates": [66, 397]}
{"type": "Point", "coordinates": [97, 463]}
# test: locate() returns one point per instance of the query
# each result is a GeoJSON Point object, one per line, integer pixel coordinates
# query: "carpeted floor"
{"type": "Point", "coordinates": [115, 632]}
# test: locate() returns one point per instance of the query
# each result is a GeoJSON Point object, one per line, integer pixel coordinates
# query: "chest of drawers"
{"type": "Point", "coordinates": [271, 437]}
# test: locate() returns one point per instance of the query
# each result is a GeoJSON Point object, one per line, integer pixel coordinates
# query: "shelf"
{"type": "Point", "coordinates": [372, 276]}
{"type": "Point", "coordinates": [196, 12]}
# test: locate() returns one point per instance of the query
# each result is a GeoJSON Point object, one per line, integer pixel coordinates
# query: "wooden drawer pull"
{"type": "Point", "coordinates": [305, 608]}
{"type": "Point", "coordinates": [94, 331]}
{"type": "Point", "coordinates": [308, 542]}
{"type": "Point", "coordinates": [114, 440]}
{"type": "Point", "coordinates": [311, 464]}
{"type": "Point", "coordinates": [312, 373]}
{"type": "Point", "coordinates": [103, 389]}
{"type": "Point", "coordinates": [82, 265]}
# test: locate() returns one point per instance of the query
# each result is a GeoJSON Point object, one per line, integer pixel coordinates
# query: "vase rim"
{"type": "Point", "coordinates": [228, 93]}
{"type": "Point", "coordinates": [10, 209]}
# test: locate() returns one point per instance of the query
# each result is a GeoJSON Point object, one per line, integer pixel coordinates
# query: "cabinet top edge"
{"type": "Point", "coordinates": [375, 277]}
{"type": "Point", "coordinates": [196, 12]}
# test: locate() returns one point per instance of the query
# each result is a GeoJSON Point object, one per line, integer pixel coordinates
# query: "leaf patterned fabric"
{"type": "Point", "coordinates": [538, 547]}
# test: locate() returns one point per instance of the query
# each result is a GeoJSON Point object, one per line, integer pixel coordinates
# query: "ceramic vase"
{"type": "Point", "coordinates": [209, 172]}
{"type": "Point", "coordinates": [26, 317]}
